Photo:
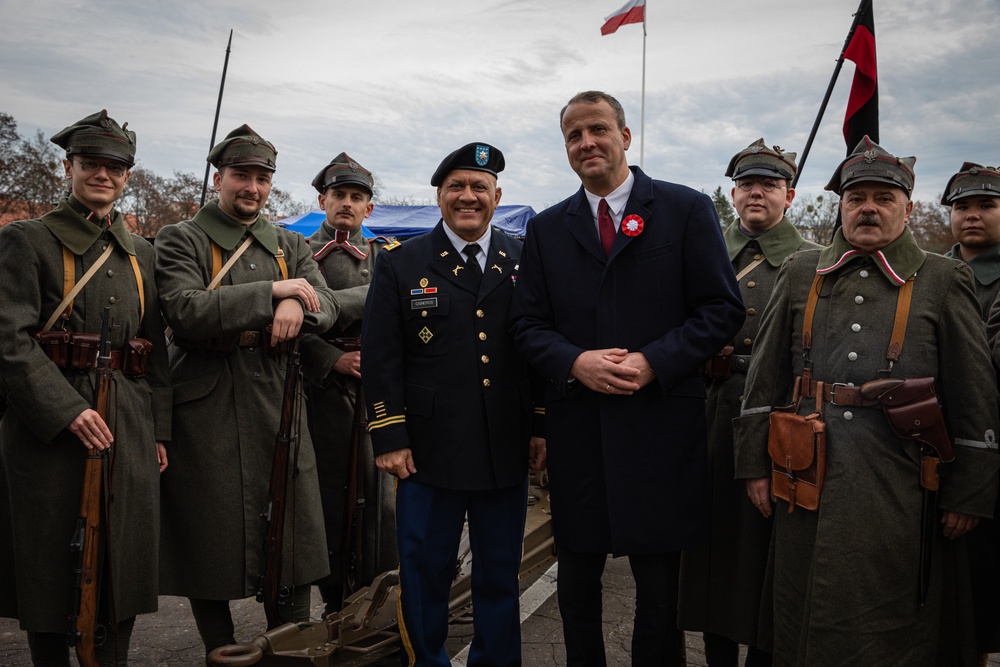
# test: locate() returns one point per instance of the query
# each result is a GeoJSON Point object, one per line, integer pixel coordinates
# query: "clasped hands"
{"type": "Point", "coordinates": [612, 371]}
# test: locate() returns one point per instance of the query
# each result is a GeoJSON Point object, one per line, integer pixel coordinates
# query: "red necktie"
{"type": "Point", "coordinates": [606, 226]}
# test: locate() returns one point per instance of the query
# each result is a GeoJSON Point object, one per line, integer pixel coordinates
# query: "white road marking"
{"type": "Point", "coordinates": [532, 598]}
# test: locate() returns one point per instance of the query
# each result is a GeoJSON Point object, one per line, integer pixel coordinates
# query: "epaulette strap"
{"type": "Point", "coordinates": [216, 260]}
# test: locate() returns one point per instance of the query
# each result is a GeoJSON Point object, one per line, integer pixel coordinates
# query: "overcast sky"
{"type": "Point", "coordinates": [400, 84]}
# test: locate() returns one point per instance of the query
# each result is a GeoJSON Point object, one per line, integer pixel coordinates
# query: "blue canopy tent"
{"type": "Point", "coordinates": [406, 221]}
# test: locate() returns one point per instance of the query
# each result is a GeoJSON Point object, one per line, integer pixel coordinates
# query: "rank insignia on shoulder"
{"type": "Point", "coordinates": [501, 253]}
{"type": "Point", "coordinates": [425, 335]}
{"type": "Point", "coordinates": [444, 254]}
{"type": "Point", "coordinates": [392, 244]}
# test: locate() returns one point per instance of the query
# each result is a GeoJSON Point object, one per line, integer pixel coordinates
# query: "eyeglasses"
{"type": "Point", "coordinates": [115, 169]}
{"type": "Point", "coordinates": [767, 185]}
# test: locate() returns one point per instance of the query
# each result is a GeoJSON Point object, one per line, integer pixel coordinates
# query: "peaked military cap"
{"type": "Point", "coordinates": [343, 170]}
{"type": "Point", "coordinates": [871, 162]}
{"type": "Point", "coordinates": [98, 134]}
{"type": "Point", "coordinates": [243, 146]}
{"type": "Point", "coordinates": [476, 156]}
{"type": "Point", "coordinates": [759, 160]}
{"type": "Point", "coordinates": [972, 179]}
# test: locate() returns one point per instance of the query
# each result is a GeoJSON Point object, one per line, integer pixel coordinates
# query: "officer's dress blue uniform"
{"type": "Point", "coordinates": [442, 378]}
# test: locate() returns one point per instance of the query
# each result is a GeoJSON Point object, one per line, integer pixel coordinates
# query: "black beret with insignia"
{"type": "Point", "coordinates": [476, 156]}
{"type": "Point", "coordinates": [343, 170]}
{"type": "Point", "coordinates": [98, 134]}
{"type": "Point", "coordinates": [759, 160]}
{"type": "Point", "coordinates": [870, 162]}
{"type": "Point", "coordinates": [243, 146]}
{"type": "Point", "coordinates": [972, 179]}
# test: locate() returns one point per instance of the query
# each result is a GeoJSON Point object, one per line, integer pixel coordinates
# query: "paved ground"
{"type": "Point", "coordinates": [169, 637]}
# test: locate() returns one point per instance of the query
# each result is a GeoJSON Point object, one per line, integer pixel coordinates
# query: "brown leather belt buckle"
{"type": "Point", "coordinates": [249, 338]}
{"type": "Point", "coordinates": [842, 394]}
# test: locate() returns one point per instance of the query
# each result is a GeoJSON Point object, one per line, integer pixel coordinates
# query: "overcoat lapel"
{"type": "Point", "coordinates": [580, 222]}
{"type": "Point", "coordinates": [642, 194]}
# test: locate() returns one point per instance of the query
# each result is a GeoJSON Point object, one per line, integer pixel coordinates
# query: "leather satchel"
{"type": "Point", "coordinates": [797, 446]}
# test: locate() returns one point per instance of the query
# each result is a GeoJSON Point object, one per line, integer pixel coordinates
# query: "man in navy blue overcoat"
{"type": "Point", "coordinates": [625, 291]}
{"type": "Point", "coordinates": [450, 405]}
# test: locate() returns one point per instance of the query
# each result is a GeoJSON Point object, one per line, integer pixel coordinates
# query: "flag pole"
{"type": "Point", "coordinates": [215, 125]}
{"type": "Point", "coordinates": [642, 114]}
{"type": "Point", "coordinates": [829, 90]}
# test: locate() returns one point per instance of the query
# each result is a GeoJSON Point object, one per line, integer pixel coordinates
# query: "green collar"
{"type": "Point", "coordinates": [986, 265]}
{"type": "Point", "coordinates": [226, 232]}
{"type": "Point", "coordinates": [776, 243]}
{"type": "Point", "coordinates": [898, 261]}
{"type": "Point", "coordinates": [69, 223]}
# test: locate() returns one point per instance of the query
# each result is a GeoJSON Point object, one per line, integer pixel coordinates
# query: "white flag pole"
{"type": "Point", "coordinates": [642, 117]}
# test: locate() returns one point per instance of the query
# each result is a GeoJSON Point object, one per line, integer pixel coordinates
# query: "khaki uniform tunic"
{"type": "Point", "coordinates": [845, 577]}
{"type": "Point", "coordinates": [42, 460]}
{"type": "Point", "coordinates": [227, 407]}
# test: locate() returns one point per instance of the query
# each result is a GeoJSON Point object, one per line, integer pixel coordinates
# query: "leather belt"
{"type": "Point", "coordinates": [837, 393]}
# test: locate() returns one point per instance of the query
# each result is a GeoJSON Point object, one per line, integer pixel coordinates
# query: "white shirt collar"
{"type": "Point", "coordinates": [616, 200]}
{"type": "Point", "coordinates": [459, 243]}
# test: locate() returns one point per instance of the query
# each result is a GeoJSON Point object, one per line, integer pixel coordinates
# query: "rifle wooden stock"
{"type": "Point", "coordinates": [270, 591]}
{"type": "Point", "coordinates": [87, 537]}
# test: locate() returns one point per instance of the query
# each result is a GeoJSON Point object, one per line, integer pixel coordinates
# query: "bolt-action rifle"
{"type": "Point", "coordinates": [269, 589]}
{"type": "Point", "coordinates": [86, 543]}
{"type": "Point", "coordinates": [352, 553]}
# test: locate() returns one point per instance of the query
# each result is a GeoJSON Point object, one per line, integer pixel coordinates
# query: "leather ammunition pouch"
{"type": "Point", "coordinates": [797, 445]}
{"type": "Point", "coordinates": [79, 351]}
{"type": "Point", "coordinates": [136, 356]}
{"type": "Point", "coordinates": [720, 367]}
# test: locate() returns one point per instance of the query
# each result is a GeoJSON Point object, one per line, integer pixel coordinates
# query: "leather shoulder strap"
{"type": "Point", "coordinates": [65, 307]}
{"type": "Point", "coordinates": [218, 275]}
{"type": "Point", "coordinates": [807, 322]}
{"type": "Point", "coordinates": [899, 325]}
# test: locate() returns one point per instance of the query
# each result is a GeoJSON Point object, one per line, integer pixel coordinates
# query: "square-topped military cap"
{"type": "Point", "coordinates": [972, 179]}
{"type": "Point", "coordinates": [870, 162]}
{"type": "Point", "coordinates": [477, 156]}
{"type": "Point", "coordinates": [100, 135]}
{"type": "Point", "coordinates": [243, 146]}
{"type": "Point", "coordinates": [759, 160]}
{"type": "Point", "coordinates": [343, 170]}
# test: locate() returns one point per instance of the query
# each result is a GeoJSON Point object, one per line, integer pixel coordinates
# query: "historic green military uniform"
{"type": "Point", "coordinates": [41, 461]}
{"type": "Point", "coordinates": [227, 405]}
{"type": "Point", "coordinates": [974, 180]}
{"type": "Point", "coordinates": [986, 269]}
{"type": "Point", "coordinates": [346, 262]}
{"type": "Point", "coordinates": [844, 579]}
{"type": "Point", "coordinates": [721, 581]}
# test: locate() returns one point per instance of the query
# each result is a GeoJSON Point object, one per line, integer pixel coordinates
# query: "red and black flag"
{"type": "Point", "coordinates": [862, 105]}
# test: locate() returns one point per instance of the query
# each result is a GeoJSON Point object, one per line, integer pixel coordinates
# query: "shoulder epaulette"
{"type": "Point", "coordinates": [391, 242]}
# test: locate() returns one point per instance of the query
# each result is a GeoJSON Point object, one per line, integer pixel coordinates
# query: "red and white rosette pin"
{"type": "Point", "coordinates": [632, 225]}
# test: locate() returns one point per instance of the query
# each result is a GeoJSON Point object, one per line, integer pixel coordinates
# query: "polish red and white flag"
{"type": "Point", "coordinates": [634, 11]}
